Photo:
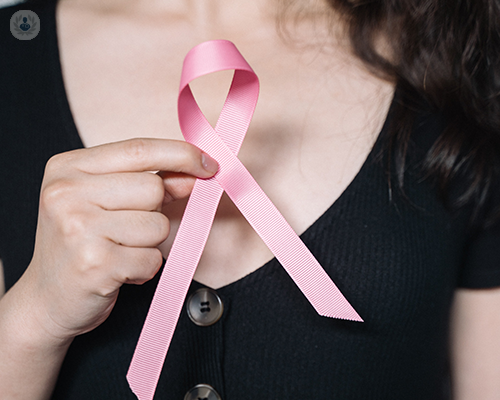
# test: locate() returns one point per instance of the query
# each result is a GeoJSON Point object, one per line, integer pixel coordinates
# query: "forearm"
{"type": "Point", "coordinates": [30, 358]}
{"type": "Point", "coordinates": [476, 344]}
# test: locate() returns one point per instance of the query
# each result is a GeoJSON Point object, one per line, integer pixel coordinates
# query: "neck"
{"type": "Point", "coordinates": [218, 18]}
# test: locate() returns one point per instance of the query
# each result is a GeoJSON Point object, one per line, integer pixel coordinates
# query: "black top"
{"type": "Point", "coordinates": [396, 260]}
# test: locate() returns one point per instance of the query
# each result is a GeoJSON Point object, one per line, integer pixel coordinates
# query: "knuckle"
{"type": "Point", "coordinates": [156, 260]}
{"type": "Point", "coordinates": [156, 189]}
{"type": "Point", "coordinates": [158, 227]}
{"type": "Point", "coordinates": [148, 262]}
{"type": "Point", "coordinates": [55, 163]}
{"type": "Point", "coordinates": [75, 225]}
{"type": "Point", "coordinates": [153, 261]}
{"type": "Point", "coordinates": [150, 228]}
{"type": "Point", "coordinates": [103, 286]}
{"type": "Point", "coordinates": [60, 162]}
{"type": "Point", "coordinates": [91, 258]}
{"type": "Point", "coordinates": [137, 149]}
{"type": "Point", "coordinates": [58, 194]}
{"type": "Point", "coordinates": [163, 227]}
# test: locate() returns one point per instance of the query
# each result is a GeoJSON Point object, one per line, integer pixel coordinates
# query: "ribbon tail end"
{"type": "Point", "coordinates": [139, 390]}
{"type": "Point", "coordinates": [349, 316]}
{"type": "Point", "coordinates": [355, 318]}
{"type": "Point", "coordinates": [341, 311]}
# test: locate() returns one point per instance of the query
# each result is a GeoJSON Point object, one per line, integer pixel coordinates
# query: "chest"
{"type": "Point", "coordinates": [315, 123]}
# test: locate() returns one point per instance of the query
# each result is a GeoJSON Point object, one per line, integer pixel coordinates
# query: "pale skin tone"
{"type": "Point", "coordinates": [315, 124]}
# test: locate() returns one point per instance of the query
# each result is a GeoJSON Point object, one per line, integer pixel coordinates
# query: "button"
{"type": "Point", "coordinates": [202, 392]}
{"type": "Point", "coordinates": [204, 307]}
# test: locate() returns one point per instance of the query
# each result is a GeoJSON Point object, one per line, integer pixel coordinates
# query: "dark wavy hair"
{"type": "Point", "coordinates": [447, 54]}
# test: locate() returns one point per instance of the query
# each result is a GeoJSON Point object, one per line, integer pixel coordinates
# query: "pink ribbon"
{"type": "Point", "coordinates": [223, 144]}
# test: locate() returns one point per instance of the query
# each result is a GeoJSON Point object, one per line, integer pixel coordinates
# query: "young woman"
{"type": "Point", "coordinates": [376, 135]}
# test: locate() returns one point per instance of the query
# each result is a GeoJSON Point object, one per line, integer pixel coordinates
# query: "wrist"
{"type": "Point", "coordinates": [30, 357]}
{"type": "Point", "coordinates": [25, 325]}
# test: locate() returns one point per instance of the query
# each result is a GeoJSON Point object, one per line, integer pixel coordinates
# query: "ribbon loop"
{"type": "Point", "coordinates": [222, 143]}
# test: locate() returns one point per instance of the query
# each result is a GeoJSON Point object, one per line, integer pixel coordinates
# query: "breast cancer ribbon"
{"type": "Point", "coordinates": [223, 144]}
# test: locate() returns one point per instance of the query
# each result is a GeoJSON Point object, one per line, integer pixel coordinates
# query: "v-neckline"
{"type": "Point", "coordinates": [77, 142]}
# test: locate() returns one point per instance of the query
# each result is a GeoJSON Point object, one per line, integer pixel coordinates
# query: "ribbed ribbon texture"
{"type": "Point", "coordinates": [222, 143]}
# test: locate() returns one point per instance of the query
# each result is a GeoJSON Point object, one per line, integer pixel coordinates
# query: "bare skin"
{"type": "Point", "coordinates": [318, 116]}
{"type": "Point", "coordinates": [475, 344]}
{"type": "Point", "coordinates": [99, 226]}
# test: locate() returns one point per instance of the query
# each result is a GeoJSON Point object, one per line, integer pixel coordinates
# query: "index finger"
{"type": "Point", "coordinates": [137, 155]}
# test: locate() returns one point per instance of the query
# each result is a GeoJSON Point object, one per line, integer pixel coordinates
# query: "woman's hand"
{"type": "Point", "coordinates": [99, 224]}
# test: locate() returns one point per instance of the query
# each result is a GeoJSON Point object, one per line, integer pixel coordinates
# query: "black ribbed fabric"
{"type": "Point", "coordinates": [397, 261]}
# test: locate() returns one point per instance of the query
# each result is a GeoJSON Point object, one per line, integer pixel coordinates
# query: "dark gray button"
{"type": "Point", "coordinates": [202, 392]}
{"type": "Point", "coordinates": [204, 307]}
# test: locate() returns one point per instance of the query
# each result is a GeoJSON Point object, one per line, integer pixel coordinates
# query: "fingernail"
{"type": "Point", "coordinates": [209, 163]}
